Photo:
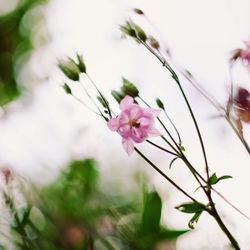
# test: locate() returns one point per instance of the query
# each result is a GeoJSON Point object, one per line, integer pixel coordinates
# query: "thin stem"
{"type": "Point", "coordinates": [175, 77]}
{"type": "Point", "coordinates": [84, 104]}
{"type": "Point", "coordinates": [165, 176]}
{"type": "Point", "coordinates": [101, 95]}
{"type": "Point", "coordinates": [223, 227]}
{"type": "Point", "coordinates": [175, 128]}
{"type": "Point", "coordinates": [161, 148]}
{"type": "Point", "coordinates": [90, 98]}
{"type": "Point", "coordinates": [229, 203]}
{"type": "Point", "coordinates": [165, 128]}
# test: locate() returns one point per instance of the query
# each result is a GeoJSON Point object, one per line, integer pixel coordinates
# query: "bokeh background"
{"type": "Point", "coordinates": [42, 128]}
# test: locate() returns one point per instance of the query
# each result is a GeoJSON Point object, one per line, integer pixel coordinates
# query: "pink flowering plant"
{"type": "Point", "coordinates": [138, 121]}
{"type": "Point", "coordinates": [134, 124]}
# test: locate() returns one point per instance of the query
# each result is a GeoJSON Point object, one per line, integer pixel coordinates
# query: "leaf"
{"type": "Point", "coordinates": [151, 213]}
{"type": "Point", "coordinates": [194, 220]}
{"type": "Point", "coordinates": [171, 163]}
{"type": "Point", "coordinates": [168, 234]}
{"type": "Point", "coordinates": [191, 207]}
{"type": "Point", "coordinates": [214, 179]}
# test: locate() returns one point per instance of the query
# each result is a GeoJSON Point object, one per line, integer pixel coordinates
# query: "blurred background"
{"type": "Point", "coordinates": [43, 129]}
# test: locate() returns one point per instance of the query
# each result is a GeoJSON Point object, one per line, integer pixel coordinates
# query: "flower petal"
{"type": "Point", "coordinates": [135, 112]}
{"type": "Point", "coordinates": [153, 132]}
{"type": "Point", "coordinates": [113, 124]}
{"type": "Point", "coordinates": [128, 146]}
{"type": "Point", "coordinates": [124, 131]}
{"type": "Point", "coordinates": [145, 122]}
{"type": "Point", "coordinates": [139, 134]}
{"type": "Point", "coordinates": [126, 102]}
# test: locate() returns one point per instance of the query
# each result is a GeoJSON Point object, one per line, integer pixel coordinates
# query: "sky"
{"type": "Point", "coordinates": [40, 136]}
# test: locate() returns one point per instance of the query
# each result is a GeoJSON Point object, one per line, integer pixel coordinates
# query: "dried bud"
{"type": "Point", "coordinates": [67, 89]}
{"type": "Point", "coordinates": [6, 172]}
{"type": "Point", "coordinates": [70, 69]}
{"type": "Point", "coordinates": [236, 54]}
{"type": "Point", "coordinates": [81, 65]}
{"type": "Point", "coordinates": [138, 11]}
{"type": "Point", "coordinates": [128, 88]}
{"type": "Point", "coordinates": [153, 43]}
{"type": "Point", "coordinates": [117, 95]}
{"type": "Point", "coordinates": [160, 104]}
{"type": "Point", "coordinates": [242, 105]}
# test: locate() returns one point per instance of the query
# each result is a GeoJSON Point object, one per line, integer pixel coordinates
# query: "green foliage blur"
{"type": "Point", "coordinates": [76, 213]}
{"type": "Point", "coordinates": [15, 47]}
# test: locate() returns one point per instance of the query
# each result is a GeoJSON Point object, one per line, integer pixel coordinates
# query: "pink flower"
{"type": "Point", "coordinates": [245, 54]}
{"type": "Point", "coordinates": [134, 124]}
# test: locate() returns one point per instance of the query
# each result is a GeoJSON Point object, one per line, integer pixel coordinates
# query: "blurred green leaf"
{"type": "Point", "coordinates": [151, 213]}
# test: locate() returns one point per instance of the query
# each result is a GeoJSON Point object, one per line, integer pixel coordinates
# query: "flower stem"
{"type": "Point", "coordinates": [164, 175]}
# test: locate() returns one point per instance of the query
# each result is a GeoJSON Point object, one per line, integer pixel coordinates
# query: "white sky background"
{"type": "Point", "coordinates": [42, 137]}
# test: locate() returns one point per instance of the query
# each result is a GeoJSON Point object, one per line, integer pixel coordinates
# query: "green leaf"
{"type": "Point", "coordinates": [191, 207]}
{"type": "Point", "coordinates": [194, 220]}
{"type": "Point", "coordinates": [214, 179]}
{"type": "Point", "coordinates": [151, 213]}
{"type": "Point", "coordinates": [168, 234]}
{"type": "Point", "coordinates": [83, 173]}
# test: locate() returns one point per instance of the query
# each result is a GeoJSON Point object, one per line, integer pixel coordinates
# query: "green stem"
{"type": "Point", "coordinates": [165, 176]}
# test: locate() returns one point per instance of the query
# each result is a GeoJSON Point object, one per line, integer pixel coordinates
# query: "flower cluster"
{"type": "Point", "coordinates": [134, 124]}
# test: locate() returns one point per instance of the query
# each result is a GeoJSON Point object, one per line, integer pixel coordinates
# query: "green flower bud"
{"type": "Point", "coordinates": [67, 89]}
{"type": "Point", "coordinates": [140, 33]}
{"type": "Point", "coordinates": [128, 30]}
{"type": "Point", "coordinates": [81, 65]}
{"type": "Point", "coordinates": [117, 95]}
{"type": "Point", "coordinates": [128, 88]}
{"type": "Point", "coordinates": [104, 103]}
{"type": "Point", "coordinates": [70, 69]}
{"type": "Point", "coordinates": [160, 104]}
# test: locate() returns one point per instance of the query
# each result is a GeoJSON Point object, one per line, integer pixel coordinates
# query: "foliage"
{"type": "Point", "coordinates": [75, 213]}
{"type": "Point", "coordinates": [15, 45]}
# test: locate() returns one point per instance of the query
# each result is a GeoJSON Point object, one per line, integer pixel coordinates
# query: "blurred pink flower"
{"type": "Point", "coordinates": [134, 124]}
{"type": "Point", "coordinates": [245, 53]}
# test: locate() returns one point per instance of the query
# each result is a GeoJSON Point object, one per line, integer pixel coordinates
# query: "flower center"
{"type": "Point", "coordinates": [133, 123]}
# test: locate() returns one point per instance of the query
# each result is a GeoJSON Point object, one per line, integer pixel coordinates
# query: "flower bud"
{"type": "Point", "coordinates": [67, 89]}
{"type": "Point", "coordinates": [128, 88]}
{"type": "Point", "coordinates": [70, 69]}
{"type": "Point", "coordinates": [103, 101]}
{"type": "Point", "coordinates": [138, 11]}
{"type": "Point", "coordinates": [117, 95]}
{"type": "Point", "coordinates": [154, 43]}
{"type": "Point", "coordinates": [140, 33]}
{"type": "Point", "coordinates": [236, 54]}
{"type": "Point", "coordinates": [160, 104]}
{"type": "Point", "coordinates": [128, 30]}
{"type": "Point", "coordinates": [81, 65]}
